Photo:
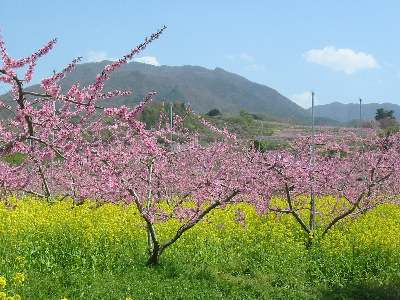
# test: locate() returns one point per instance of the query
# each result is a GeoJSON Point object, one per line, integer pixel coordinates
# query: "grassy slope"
{"type": "Point", "coordinates": [246, 126]}
{"type": "Point", "coordinates": [98, 253]}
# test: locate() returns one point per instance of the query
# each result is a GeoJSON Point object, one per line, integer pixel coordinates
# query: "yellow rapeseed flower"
{"type": "Point", "coordinates": [3, 282]}
{"type": "Point", "coordinates": [19, 278]}
{"type": "Point", "coordinates": [20, 260]}
{"type": "Point", "coordinates": [3, 296]}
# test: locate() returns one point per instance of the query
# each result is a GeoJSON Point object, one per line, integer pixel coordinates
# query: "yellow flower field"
{"type": "Point", "coordinates": [61, 251]}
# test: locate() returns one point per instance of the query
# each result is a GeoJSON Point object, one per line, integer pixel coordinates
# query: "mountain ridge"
{"type": "Point", "coordinates": [348, 112]}
{"type": "Point", "coordinates": [203, 88]}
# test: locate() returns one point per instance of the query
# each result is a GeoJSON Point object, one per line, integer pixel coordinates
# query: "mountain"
{"type": "Point", "coordinates": [345, 113]}
{"type": "Point", "coordinates": [203, 88]}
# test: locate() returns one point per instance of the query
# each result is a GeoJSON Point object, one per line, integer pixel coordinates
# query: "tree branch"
{"type": "Point", "coordinates": [189, 225]}
{"type": "Point", "coordinates": [149, 224]}
{"type": "Point", "coordinates": [293, 212]}
{"type": "Point", "coordinates": [37, 94]}
{"type": "Point", "coordinates": [343, 215]}
{"type": "Point", "coordinates": [46, 144]}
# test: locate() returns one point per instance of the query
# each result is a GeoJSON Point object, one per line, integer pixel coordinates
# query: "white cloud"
{"type": "Point", "coordinates": [345, 60]}
{"type": "Point", "coordinates": [150, 60]}
{"type": "Point", "coordinates": [246, 57]}
{"type": "Point", "coordinates": [302, 99]}
{"type": "Point", "coordinates": [97, 56]}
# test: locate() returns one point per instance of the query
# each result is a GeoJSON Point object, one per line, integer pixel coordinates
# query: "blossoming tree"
{"type": "Point", "coordinates": [164, 178]}
{"type": "Point", "coordinates": [47, 126]}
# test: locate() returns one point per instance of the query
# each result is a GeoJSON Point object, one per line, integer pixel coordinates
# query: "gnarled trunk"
{"type": "Point", "coordinates": [154, 257]}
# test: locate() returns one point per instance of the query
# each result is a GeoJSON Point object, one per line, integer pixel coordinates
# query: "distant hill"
{"type": "Point", "coordinates": [345, 113]}
{"type": "Point", "coordinates": [203, 88]}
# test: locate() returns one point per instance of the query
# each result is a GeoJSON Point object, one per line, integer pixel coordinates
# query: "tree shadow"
{"type": "Point", "coordinates": [365, 291]}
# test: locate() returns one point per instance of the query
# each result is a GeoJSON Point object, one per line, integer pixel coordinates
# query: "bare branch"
{"type": "Point", "coordinates": [200, 217]}
{"type": "Point", "coordinates": [37, 94]}
{"type": "Point", "coordinates": [293, 212]}
{"type": "Point", "coordinates": [46, 144]}
{"type": "Point", "coordinates": [34, 193]}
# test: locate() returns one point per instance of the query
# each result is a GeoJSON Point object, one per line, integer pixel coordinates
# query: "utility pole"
{"type": "Point", "coordinates": [260, 138]}
{"type": "Point", "coordinates": [312, 161]}
{"type": "Point", "coordinates": [171, 118]}
{"type": "Point", "coordinates": [360, 113]}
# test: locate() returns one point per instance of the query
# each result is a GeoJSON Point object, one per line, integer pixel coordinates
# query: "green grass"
{"type": "Point", "coordinates": [89, 252]}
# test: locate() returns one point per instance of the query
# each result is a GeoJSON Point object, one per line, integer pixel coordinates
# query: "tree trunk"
{"type": "Point", "coordinates": [310, 241]}
{"type": "Point", "coordinates": [154, 257]}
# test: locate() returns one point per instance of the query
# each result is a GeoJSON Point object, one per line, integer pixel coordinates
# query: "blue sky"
{"type": "Point", "coordinates": [341, 49]}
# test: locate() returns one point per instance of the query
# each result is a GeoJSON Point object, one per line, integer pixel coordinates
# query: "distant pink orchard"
{"type": "Point", "coordinates": [359, 172]}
